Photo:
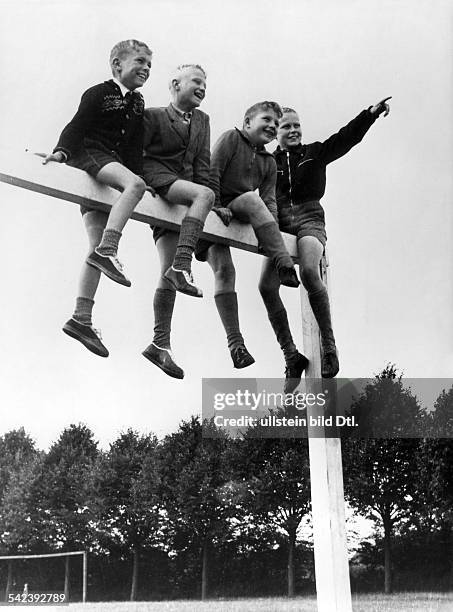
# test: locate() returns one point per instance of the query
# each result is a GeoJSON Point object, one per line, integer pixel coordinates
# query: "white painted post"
{"type": "Point", "coordinates": [333, 589]}
{"type": "Point", "coordinates": [85, 572]}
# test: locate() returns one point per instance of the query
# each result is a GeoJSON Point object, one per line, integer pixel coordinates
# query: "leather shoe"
{"type": "Point", "coordinates": [288, 277]}
{"type": "Point", "coordinates": [293, 372]}
{"type": "Point", "coordinates": [182, 281]}
{"type": "Point", "coordinates": [87, 335]}
{"type": "Point", "coordinates": [329, 364]}
{"type": "Point", "coordinates": [163, 359]}
{"type": "Point", "coordinates": [241, 357]}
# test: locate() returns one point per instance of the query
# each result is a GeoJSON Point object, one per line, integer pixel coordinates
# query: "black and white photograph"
{"type": "Point", "coordinates": [205, 199]}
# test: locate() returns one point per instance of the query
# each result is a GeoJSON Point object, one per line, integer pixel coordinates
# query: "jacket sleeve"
{"type": "Point", "coordinates": [201, 163]}
{"type": "Point", "coordinates": [135, 145]}
{"type": "Point", "coordinates": [71, 137]}
{"type": "Point", "coordinates": [221, 156]}
{"type": "Point", "coordinates": [351, 134]}
{"type": "Point", "coordinates": [149, 129]}
{"type": "Point", "coordinates": [135, 154]}
{"type": "Point", "coordinates": [267, 188]}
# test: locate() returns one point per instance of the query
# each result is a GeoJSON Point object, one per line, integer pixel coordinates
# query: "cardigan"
{"type": "Point", "coordinates": [106, 119]}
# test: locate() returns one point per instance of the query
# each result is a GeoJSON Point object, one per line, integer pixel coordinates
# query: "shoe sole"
{"type": "Point", "coordinates": [121, 281]}
{"type": "Point", "coordinates": [86, 343]}
{"type": "Point", "coordinates": [159, 365]}
{"type": "Point", "coordinates": [184, 291]}
{"type": "Point", "coordinates": [245, 364]}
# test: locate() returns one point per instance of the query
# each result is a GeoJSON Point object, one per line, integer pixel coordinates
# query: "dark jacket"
{"type": "Point", "coordinates": [106, 119]}
{"type": "Point", "coordinates": [173, 149]}
{"type": "Point", "coordinates": [301, 171]}
{"type": "Point", "coordinates": [237, 167]}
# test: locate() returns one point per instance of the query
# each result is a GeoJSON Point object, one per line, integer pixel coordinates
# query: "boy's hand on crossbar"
{"type": "Point", "coordinates": [59, 157]}
{"type": "Point", "coordinates": [225, 214]}
{"type": "Point", "coordinates": [380, 107]}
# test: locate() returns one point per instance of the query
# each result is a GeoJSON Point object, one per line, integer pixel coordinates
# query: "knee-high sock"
{"type": "Point", "coordinates": [319, 302]}
{"type": "Point", "coordinates": [279, 321]}
{"type": "Point", "coordinates": [270, 238]}
{"type": "Point", "coordinates": [109, 242]}
{"type": "Point", "coordinates": [227, 307]}
{"type": "Point", "coordinates": [83, 310]}
{"type": "Point", "coordinates": [191, 228]}
{"type": "Point", "coordinates": [164, 301]}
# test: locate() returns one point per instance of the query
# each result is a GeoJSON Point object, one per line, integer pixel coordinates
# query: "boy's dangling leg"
{"type": "Point", "coordinates": [104, 257]}
{"type": "Point", "coordinates": [319, 302]}
{"type": "Point", "coordinates": [219, 258]}
{"type": "Point", "coordinates": [295, 362]}
{"type": "Point", "coordinates": [249, 207]}
{"type": "Point", "coordinates": [270, 238]}
{"type": "Point", "coordinates": [80, 325]}
{"type": "Point", "coordinates": [159, 351]}
{"type": "Point", "coordinates": [310, 253]}
{"type": "Point", "coordinates": [200, 200]}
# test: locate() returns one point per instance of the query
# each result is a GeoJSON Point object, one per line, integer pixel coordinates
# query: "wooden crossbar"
{"type": "Point", "coordinates": [26, 170]}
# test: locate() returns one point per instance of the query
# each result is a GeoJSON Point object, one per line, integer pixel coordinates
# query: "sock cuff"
{"type": "Point", "coordinates": [165, 289]}
{"type": "Point", "coordinates": [112, 231]}
{"type": "Point", "coordinates": [225, 293]}
{"type": "Point", "coordinates": [85, 300]}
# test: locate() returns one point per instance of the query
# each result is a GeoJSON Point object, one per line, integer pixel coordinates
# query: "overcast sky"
{"type": "Point", "coordinates": [388, 202]}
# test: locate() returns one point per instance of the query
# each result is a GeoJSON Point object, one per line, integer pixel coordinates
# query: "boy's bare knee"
{"type": "Point", "coordinates": [225, 272]}
{"type": "Point", "coordinates": [251, 198]}
{"type": "Point", "coordinates": [207, 196]}
{"type": "Point", "coordinates": [137, 186]}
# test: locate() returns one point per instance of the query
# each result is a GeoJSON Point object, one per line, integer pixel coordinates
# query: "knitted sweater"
{"type": "Point", "coordinates": [237, 166]}
{"type": "Point", "coordinates": [106, 119]}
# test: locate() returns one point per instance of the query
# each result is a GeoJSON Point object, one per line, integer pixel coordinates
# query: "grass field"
{"type": "Point", "coordinates": [401, 602]}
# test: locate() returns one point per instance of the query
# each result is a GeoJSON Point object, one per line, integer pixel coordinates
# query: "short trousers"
{"type": "Point", "coordinates": [91, 159]}
{"type": "Point", "coordinates": [162, 192]}
{"type": "Point", "coordinates": [305, 219]}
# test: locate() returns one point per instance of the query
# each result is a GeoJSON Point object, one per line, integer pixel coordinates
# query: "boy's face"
{"type": "Point", "coordinates": [289, 131]}
{"type": "Point", "coordinates": [190, 89]}
{"type": "Point", "coordinates": [133, 68]}
{"type": "Point", "coordinates": [262, 127]}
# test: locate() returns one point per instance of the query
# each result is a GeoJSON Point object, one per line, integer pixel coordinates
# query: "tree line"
{"type": "Point", "coordinates": [190, 516]}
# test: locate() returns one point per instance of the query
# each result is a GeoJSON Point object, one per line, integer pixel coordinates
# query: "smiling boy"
{"type": "Point", "coordinates": [105, 138]}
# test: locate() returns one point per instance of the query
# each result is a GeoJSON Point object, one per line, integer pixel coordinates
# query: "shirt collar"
{"type": "Point", "coordinates": [123, 89]}
{"type": "Point", "coordinates": [257, 148]}
{"type": "Point", "coordinates": [185, 115]}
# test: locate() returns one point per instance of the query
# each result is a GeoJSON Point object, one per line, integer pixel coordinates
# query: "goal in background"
{"type": "Point", "coordinates": [67, 555]}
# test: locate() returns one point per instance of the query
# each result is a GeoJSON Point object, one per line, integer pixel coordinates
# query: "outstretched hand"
{"type": "Point", "coordinates": [225, 214]}
{"type": "Point", "coordinates": [381, 107]}
{"type": "Point", "coordinates": [59, 157]}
